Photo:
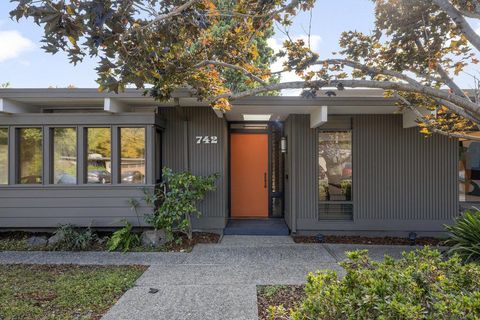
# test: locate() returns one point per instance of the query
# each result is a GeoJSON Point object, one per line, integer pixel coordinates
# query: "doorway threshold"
{"type": "Point", "coordinates": [257, 227]}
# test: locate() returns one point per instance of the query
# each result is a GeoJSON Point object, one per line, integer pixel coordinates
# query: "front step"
{"type": "Point", "coordinates": [255, 241]}
{"type": "Point", "coordinates": [264, 227]}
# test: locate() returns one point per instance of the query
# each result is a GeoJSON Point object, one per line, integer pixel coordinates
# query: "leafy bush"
{"type": "Point", "coordinates": [465, 236]}
{"type": "Point", "coordinates": [175, 201]}
{"type": "Point", "coordinates": [123, 239]}
{"type": "Point", "coordinates": [74, 239]}
{"type": "Point", "coordinates": [421, 285]}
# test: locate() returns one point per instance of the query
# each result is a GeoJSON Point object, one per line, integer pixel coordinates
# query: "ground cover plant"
{"type": "Point", "coordinates": [421, 285]}
{"type": "Point", "coordinates": [62, 291]}
{"type": "Point", "coordinates": [123, 239]}
{"type": "Point", "coordinates": [287, 296]}
{"type": "Point", "coordinates": [465, 236]}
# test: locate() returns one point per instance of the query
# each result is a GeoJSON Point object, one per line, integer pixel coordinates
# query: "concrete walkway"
{"type": "Point", "coordinates": [214, 281]}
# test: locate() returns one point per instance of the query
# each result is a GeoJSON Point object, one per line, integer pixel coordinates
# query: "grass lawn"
{"type": "Point", "coordinates": [62, 291]}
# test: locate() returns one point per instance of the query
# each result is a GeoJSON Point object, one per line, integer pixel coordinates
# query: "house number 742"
{"type": "Point", "coordinates": [206, 139]}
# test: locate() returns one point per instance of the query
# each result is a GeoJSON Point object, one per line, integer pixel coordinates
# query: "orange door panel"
{"type": "Point", "coordinates": [249, 175]}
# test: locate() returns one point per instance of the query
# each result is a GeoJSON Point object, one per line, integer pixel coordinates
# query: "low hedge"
{"type": "Point", "coordinates": [421, 285]}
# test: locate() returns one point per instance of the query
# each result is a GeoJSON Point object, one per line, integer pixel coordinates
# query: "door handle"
{"type": "Point", "coordinates": [265, 180]}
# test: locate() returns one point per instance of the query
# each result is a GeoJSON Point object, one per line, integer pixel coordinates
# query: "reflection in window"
{"type": "Point", "coordinates": [469, 171]}
{"type": "Point", "coordinates": [99, 157]}
{"type": "Point", "coordinates": [132, 155]}
{"type": "Point", "coordinates": [64, 156]}
{"type": "Point", "coordinates": [30, 156]}
{"type": "Point", "coordinates": [335, 176]}
{"type": "Point", "coordinates": [3, 155]}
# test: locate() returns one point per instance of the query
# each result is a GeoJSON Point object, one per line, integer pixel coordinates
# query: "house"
{"type": "Point", "coordinates": [344, 163]}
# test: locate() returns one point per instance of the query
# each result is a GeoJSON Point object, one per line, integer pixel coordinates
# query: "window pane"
{"type": "Point", "coordinates": [64, 156]}
{"type": "Point", "coordinates": [3, 156]}
{"type": "Point", "coordinates": [132, 164]}
{"type": "Point", "coordinates": [30, 155]}
{"type": "Point", "coordinates": [335, 161]}
{"type": "Point", "coordinates": [469, 171]}
{"type": "Point", "coordinates": [99, 156]}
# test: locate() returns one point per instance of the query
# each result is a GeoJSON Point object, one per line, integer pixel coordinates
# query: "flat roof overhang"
{"type": "Point", "coordinates": [345, 102]}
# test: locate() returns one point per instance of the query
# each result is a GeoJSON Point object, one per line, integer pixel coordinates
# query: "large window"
{"type": "Point", "coordinates": [335, 174]}
{"type": "Point", "coordinates": [132, 155]}
{"type": "Point", "coordinates": [64, 155]}
{"type": "Point", "coordinates": [3, 155]}
{"type": "Point", "coordinates": [99, 156]}
{"type": "Point", "coordinates": [30, 156]}
{"type": "Point", "coordinates": [469, 171]}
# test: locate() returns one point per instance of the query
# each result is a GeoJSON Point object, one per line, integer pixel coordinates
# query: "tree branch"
{"type": "Point", "coordinates": [367, 69]}
{"type": "Point", "coordinates": [460, 21]}
{"type": "Point", "coordinates": [385, 85]}
{"type": "Point", "coordinates": [175, 11]}
{"type": "Point", "coordinates": [232, 66]}
{"type": "Point", "coordinates": [444, 74]}
{"type": "Point", "coordinates": [421, 118]}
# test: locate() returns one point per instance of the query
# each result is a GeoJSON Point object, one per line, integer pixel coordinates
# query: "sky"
{"type": "Point", "coordinates": [24, 64]}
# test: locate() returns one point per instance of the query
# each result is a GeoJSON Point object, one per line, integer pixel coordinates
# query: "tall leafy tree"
{"type": "Point", "coordinates": [236, 80]}
{"type": "Point", "coordinates": [416, 52]}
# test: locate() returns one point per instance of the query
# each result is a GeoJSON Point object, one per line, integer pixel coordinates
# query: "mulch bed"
{"type": "Point", "coordinates": [422, 241]}
{"type": "Point", "coordinates": [187, 245]}
{"type": "Point", "coordinates": [16, 241]}
{"type": "Point", "coordinates": [286, 295]}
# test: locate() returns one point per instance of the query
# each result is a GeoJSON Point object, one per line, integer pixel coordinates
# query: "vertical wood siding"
{"type": "Point", "coordinates": [306, 169]}
{"type": "Point", "coordinates": [402, 181]}
{"type": "Point", "coordinates": [201, 159]}
{"type": "Point", "coordinates": [399, 174]}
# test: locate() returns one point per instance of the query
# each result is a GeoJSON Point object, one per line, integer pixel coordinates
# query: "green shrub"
{"type": "Point", "coordinates": [175, 201]}
{"type": "Point", "coordinates": [74, 239]}
{"type": "Point", "coordinates": [421, 285]}
{"type": "Point", "coordinates": [465, 236]}
{"type": "Point", "coordinates": [123, 239]}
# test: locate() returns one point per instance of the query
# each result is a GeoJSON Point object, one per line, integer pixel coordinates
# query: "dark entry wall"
{"type": "Point", "coordinates": [181, 152]}
{"type": "Point", "coordinates": [402, 181]}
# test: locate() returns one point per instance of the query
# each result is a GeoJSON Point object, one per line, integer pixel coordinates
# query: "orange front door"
{"type": "Point", "coordinates": [249, 175]}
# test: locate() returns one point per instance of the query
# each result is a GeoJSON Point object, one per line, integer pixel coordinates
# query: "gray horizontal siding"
{"type": "Point", "coordinates": [46, 207]}
{"type": "Point", "coordinates": [402, 181]}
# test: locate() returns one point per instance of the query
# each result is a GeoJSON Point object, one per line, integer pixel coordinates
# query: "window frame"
{"type": "Point", "coordinates": [17, 155]}
{"type": "Point", "coordinates": [8, 155]}
{"type": "Point", "coordinates": [113, 150]}
{"type": "Point", "coordinates": [47, 152]}
{"type": "Point", "coordinates": [462, 202]}
{"type": "Point", "coordinates": [51, 153]}
{"type": "Point", "coordinates": [333, 202]}
{"type": "Point", "coordinates": [119, 153]}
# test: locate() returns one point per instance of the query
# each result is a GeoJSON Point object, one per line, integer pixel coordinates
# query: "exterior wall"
{"type": "Point", "coordinates": [47, 205]}
{"type": "Point", "coordinates": [402, 182]}
{"type": "Point", "coordinates": [181, 152]}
